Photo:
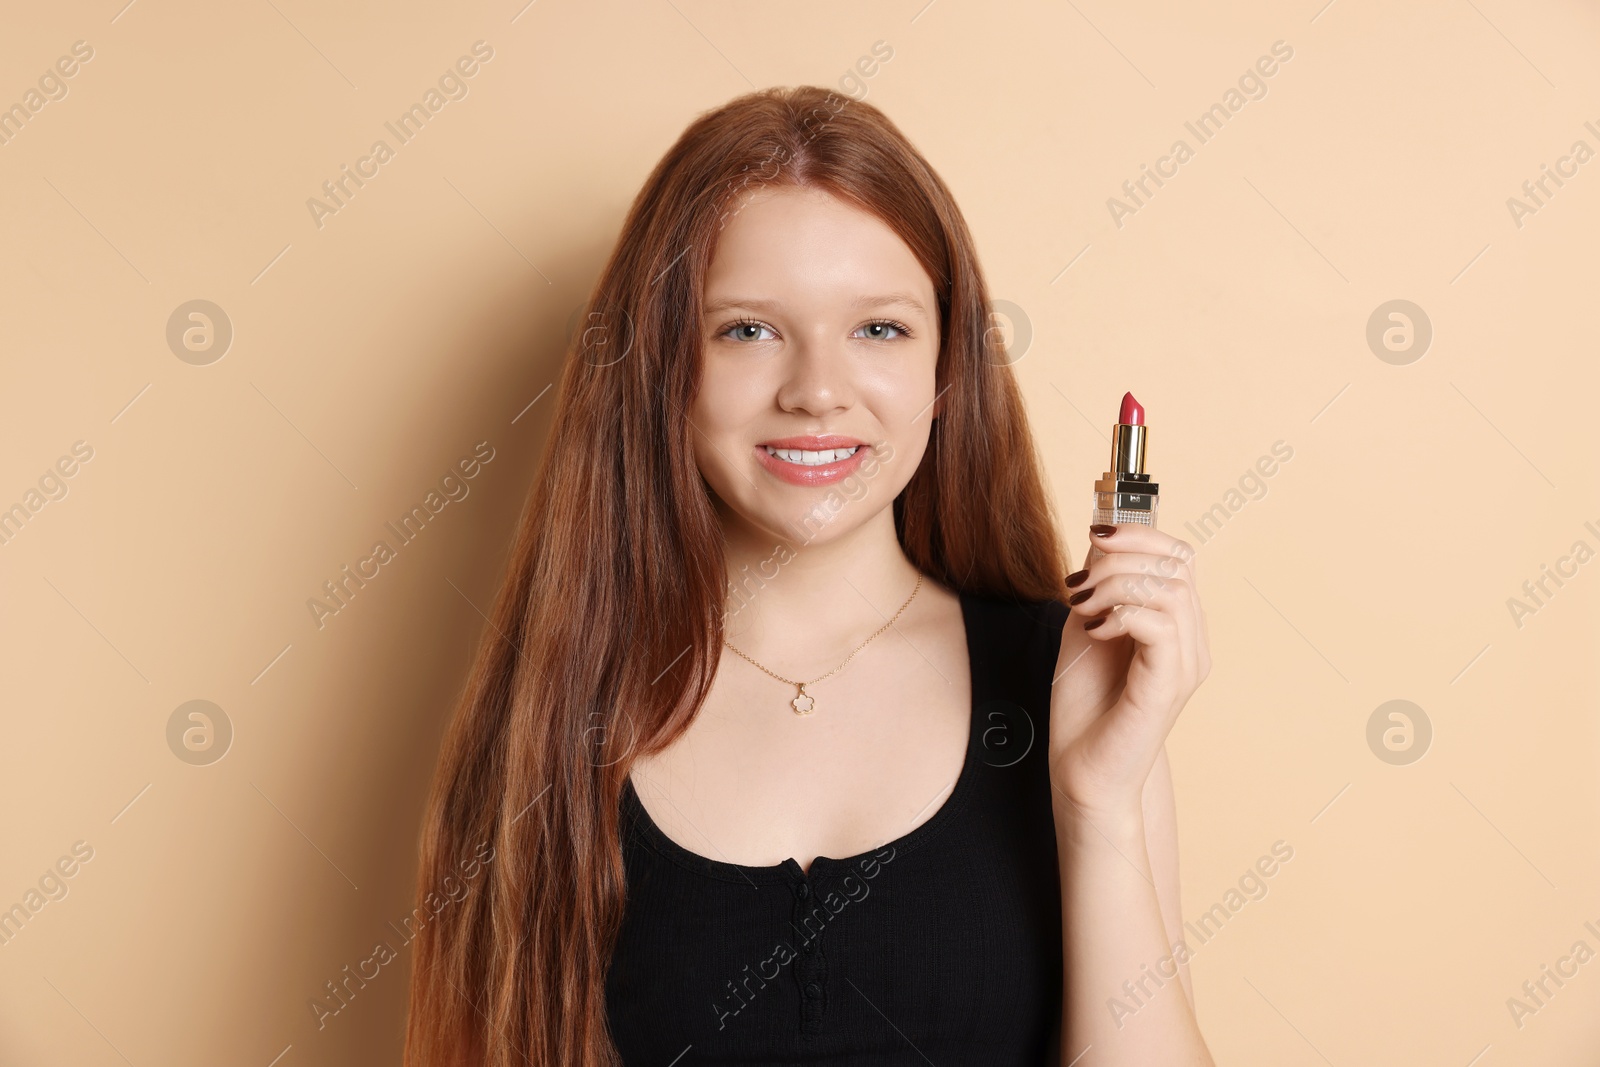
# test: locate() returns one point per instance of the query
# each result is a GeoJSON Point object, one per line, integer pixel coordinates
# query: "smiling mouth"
{"type": "Point", "coordinates": [806, 458]}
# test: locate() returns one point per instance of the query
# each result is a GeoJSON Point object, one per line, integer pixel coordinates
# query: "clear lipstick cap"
{"type": "Point", "coordinates": [1112, 509]}
{"type": "Point", "coordinates": [1131, 502]}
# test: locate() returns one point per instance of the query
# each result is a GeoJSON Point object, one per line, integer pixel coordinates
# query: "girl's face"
{"type": "Point", "coordinates": [819, 324]}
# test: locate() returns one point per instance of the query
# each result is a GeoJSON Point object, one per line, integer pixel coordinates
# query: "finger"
{"type": "Point", "coordinates": [1129, 563]}
{"type": "Point", "coordinates": [1134, 588]}
{"type": "Point", "coordinates": [1124, 595]}
{"type": "Point", "coordinates": [1160, 643]}
{"type": "Point", "coordinates": [1136, 548]}
{"type": "Point", "coordinates": [1178, 563]}
{"type": "Point", "coordinates": [1157, 631]}
{"type": "Point", "coordinates": [1137, 537]}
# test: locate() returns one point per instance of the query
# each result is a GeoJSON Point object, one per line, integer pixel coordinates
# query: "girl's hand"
{"type": "Point", "coordinates": [1132, 652]}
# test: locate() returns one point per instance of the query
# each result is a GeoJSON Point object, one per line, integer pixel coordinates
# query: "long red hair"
{"type": "Point", "coordinates": [607, 630]}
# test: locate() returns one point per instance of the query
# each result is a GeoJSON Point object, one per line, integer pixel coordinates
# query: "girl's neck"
{"type": "Point", "coordinates": [826, 593]}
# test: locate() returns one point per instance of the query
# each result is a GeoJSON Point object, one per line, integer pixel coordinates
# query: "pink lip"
{"type": "Point", "coordinates": [825, 474]}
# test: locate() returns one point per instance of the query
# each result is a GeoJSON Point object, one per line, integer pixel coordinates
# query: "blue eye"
{"type": "Point", "coordinates": [743, 325]}
{"type": "Point", "coordinates": [749, 330]}
{"type": "Point", "coordinates": [891, 324]}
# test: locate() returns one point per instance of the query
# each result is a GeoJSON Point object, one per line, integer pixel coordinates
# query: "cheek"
{"type": "Point", "coordinates": [902, 405]}
{"type": "Point", "coordinates": [719, 414]}
{"type": "Point", "coordinates": [902, 397]}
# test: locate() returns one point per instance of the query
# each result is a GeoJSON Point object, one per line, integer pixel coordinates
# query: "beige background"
{"type": "Point", "coordinates": [428, 314]}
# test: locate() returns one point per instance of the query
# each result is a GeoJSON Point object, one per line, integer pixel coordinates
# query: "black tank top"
{"type": "Point", "coordinates": [943, 945]}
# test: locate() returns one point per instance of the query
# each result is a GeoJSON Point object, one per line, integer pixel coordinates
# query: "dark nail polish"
{"type": "Point", "coordinates": [1092, 623]}
{"type": "Point", "coordinates": [1100, 529]}
{"type": "Point", "coordinates": [1076, 578]}
{"type": "Point", "coordinates": [1079, 598]}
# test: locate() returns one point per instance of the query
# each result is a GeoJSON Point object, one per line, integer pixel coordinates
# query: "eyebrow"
{"type": "Point", "coordinates": [885, 300]}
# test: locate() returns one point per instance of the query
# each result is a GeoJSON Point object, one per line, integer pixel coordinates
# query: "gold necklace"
{"type": "Point", "coordinates": [804, 703]}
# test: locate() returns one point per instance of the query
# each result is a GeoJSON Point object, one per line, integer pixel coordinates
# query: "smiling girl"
{"type": "Point", "coordinates": [786, 740]}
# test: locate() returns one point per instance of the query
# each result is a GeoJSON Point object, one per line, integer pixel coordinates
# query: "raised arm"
{"type": "Point", "coordinates": [1132, 653]}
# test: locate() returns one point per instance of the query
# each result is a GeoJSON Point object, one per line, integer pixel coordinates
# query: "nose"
{"type": "Point", "coordinates": [817, 379]}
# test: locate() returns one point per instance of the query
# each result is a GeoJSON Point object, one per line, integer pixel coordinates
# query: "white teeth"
{"type": "Point", "coordinates": [811, 459]}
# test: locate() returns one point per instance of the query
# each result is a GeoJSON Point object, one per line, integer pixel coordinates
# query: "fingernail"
{"type": "Point", "coordinates": [1076, 578]}
{"type": "Point", "coordinates": [1092, 623]}
{"type": "Point", "coordinates": [1100, 529]}
{"type": "Point", "coordinates": [1079, 598]}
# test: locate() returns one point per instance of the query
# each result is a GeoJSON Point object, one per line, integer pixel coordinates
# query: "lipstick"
{"type": "Point", "coordinates": [1125, 493]}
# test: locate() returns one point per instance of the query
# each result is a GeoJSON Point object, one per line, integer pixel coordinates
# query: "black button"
{"type": "Point", "coordinates": [802, 890]}
{"type": "Point", "coordinates": [808, 947]}
{"type": "Point", "coordinates": [813, 989]}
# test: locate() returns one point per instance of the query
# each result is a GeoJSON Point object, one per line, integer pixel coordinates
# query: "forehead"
{"type": "Point", "coordinates": [805, 243]}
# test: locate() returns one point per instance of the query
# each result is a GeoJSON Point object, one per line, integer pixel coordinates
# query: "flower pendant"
{"type": "Point", "coordinates": [804, 703]}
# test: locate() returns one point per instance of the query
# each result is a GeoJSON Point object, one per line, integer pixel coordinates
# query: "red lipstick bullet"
{"type": "Point", "coordinates": [1132, 412]}
{"type": "Point", "coordinates": [1125, 493]}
